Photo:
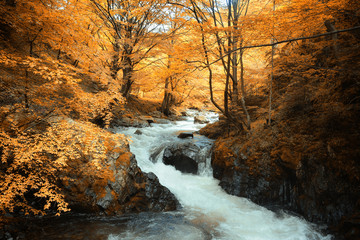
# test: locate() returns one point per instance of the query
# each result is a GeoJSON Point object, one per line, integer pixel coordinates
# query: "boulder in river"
{"type": "Point", "coordinates": [138, 132]}
{"type": "Point", "coordinates": [201, 119]}
{"type": "Point", "coordinates": [185, 135]}
{"type": "Point", "coordinates": [162, 121]}
{"type": "Point", "coordinates": [148, 119]}
{"type": "Point", "coordinates": [185, 157]}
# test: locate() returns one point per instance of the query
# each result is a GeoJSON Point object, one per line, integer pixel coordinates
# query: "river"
{"type": "Point", "coordinates": [209, 212]}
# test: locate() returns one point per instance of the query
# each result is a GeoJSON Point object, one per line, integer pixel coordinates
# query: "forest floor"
{"type": "Point", "coordinates": [142, 106]}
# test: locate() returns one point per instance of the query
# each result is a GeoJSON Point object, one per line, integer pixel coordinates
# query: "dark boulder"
{"type": "Point", "coordinates": [185, 157]}
{"type": "Point", "coordinates": [185, 135]}
{"type": "Point", "coordinates": [158, 197]}
{"type": "Point", "coordinates": [183, 164]}
{"type": "Point", "coordinates": [138, 132]}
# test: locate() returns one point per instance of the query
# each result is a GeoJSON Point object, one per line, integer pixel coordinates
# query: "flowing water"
{"type": "Point", "coordinates": [207, 211]}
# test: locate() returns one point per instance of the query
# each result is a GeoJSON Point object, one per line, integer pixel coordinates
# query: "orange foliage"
{"type": "Point", "coordinates": [52, 65]}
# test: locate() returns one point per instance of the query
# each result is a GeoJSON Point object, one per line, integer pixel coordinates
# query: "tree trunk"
{"type": "Point", "coordinates": [236, 121]}
{"type": "Point", "coordinates": [226, 91]}
{"type": "Point", "coordinates": [127, 82]}
{"type": "Point", "coordinates": [168, 98]}
{"type": "Point", "coordinates": [243, 93]}
{"type": "Point", "coordinates": [331, 28]}
{"type": "Point", "coordinates": [166, 104]}
{"type": "Point", "coordinates": [127, 77]}
{"type": "Point", "coordinates": [271, 81]}
{"type": "Point", "coordinates": [227, 67]}
{"type": "Point", "coordinates": [115, 66]}
{"type": "Point", "coordinates": [26, 87]}
{"type": "Point", "coordinates": [242, 82]}
{"type": "Point", "coordinates": [235, 93]}
{"type": "Point", "coordinates": [272, 67]}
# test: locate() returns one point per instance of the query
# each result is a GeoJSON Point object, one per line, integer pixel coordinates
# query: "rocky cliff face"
{"type": "Point", "coordinates": [309, 187]}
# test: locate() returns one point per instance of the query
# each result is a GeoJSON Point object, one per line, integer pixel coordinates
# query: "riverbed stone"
{"type": "Point", "coordinates": [162, 121]}
{"type": "Point", "coordinates": [185, 135]}
{"type": "Point", "coordinates": [138, 132]}
{"type": "Point", "coordinates": [201, 119]}
{"type": "Point", "coordinates": [128, 122]}
{"type": "Point", "coordinates": [185, 157]}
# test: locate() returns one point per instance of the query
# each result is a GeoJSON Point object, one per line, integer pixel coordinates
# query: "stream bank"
{"type": "Point", "coordinates": [282, 173]}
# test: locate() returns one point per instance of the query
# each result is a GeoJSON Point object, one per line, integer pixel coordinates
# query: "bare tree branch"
{"type": "Point", "coordinates": [288, 41]}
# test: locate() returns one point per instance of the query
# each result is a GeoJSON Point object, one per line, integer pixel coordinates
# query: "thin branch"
{"type": "Point", "coordinates": [288, 41]}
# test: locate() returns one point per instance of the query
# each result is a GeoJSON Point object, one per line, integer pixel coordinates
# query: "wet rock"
{"type": "Point", "coordinates": [185, 157]}
{"type": "Point", "coordinates": [185, 135]}
{"type": "Point", "coordinates": [350, 227]}
{"type": "Point", "coordinates": [148, 119]}
{"type": "Point", "coordinates": [309, 187]}
{"type": "Point", "coordinates": [162, 121]}
{"type": "Point", "coordinates": [155, 153]}
{"type": "Point", "coordinates": [138, 132]}
{"type": "Point", "coordinates": [158, 197]}
{"type": "Point", "coordinates": [201, 119]}
{"type": "Point", "coordinates": [128, 122]}
{"type": "Point", "coordinates": [143, 192]}
{"type": "Point", "coordinates": [322, 194]}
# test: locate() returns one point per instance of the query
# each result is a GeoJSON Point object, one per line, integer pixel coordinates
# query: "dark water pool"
{"type": "Point", "coordinates": [171, 225]}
